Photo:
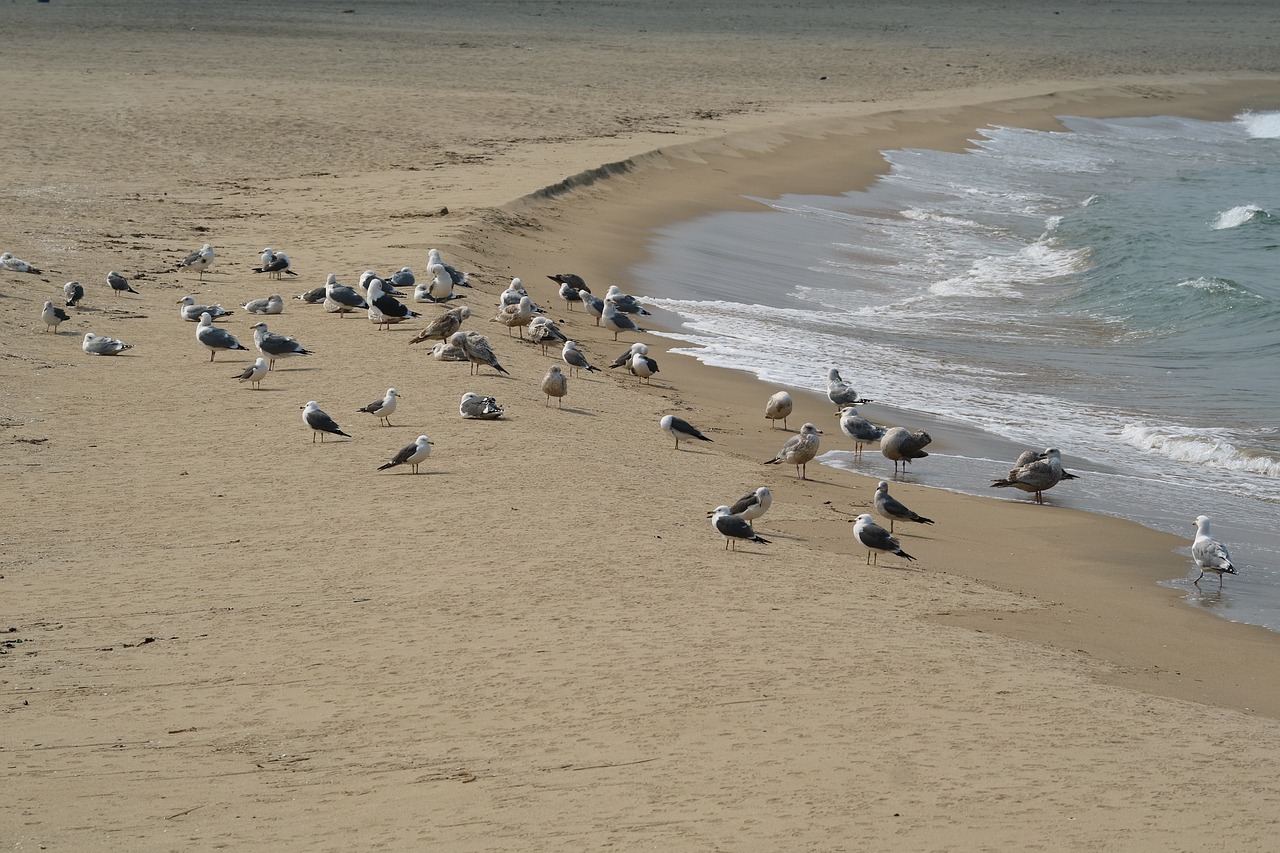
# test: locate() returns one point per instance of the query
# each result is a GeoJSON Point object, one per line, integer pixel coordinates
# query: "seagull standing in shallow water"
{"type": "Point", "coordinates": [1209, 554]}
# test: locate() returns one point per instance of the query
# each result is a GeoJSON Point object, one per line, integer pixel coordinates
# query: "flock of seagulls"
{"type": "Point", "coordinates": [1034, 472]}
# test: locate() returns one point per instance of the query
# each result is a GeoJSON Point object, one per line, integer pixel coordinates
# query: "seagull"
{"type": "Point", "coordinates": [555, 384]}
{"type": "Point", "coordinates": [477, 350]}
{"type": "Point", "coordinates": [385, 309]}
{"type": "Point", "coordinates": [384, 408]}
{"type": "Point", "coordinates": [213, 339]}
{"type": "Point", "coordinates": [12, 264]}
{"type": "Point", "coordinates": [73, 291]}
{"type": "Point", "coordinates": [512, 294]}
{"type": "Point", "coordinates": [94, 345]}
{"type": "Point", "coordinates": [679, 428]}
{"type": "Point", "coordinates": [1026, 457]}
{"type": "Point", "coordinates": [858, 428]}
{"type": "Point", "coordinates": [314, 296]}
{"type": "Point", "coordinates": [799, 449]}
{"type": "Point", "coordinates": [319, 422]}
{"type": "Point", "coordinates": [624, 303]}
{"type": "Point", "coordinates": [254, 373]}
{"type": "Point", "coordinates": [571, 286]}
{"type": "Point", "coordinates": [274, 264]}
{"type": "Point", "coordinates": [192, 312]}
{"type": "Point", "coordinates": [1210, 554]}
{"type": "Point", "coordinates": [272, 304]}
{"type": "Point", "coordinates": [1038, 475]}
{"type": "Point", "coordinates": [119, 284]}
{"type": "Point", "coordinates": [274, 345]}
{"type": "Point", "coordinates": [574, 358]}
{"type": "Point", "coordinates": [545, 333]}
{"type": "Point", "coordinates": [340, 299]}
{"type": "Point", "coordinates": [199, 260]}
{"type": "Point", "coordinates": [752, 505]}
{"type": "Point", "coordinates": [616, 321]}
{"type": "Point", "coordinates": [52, 316]}
{"type": "Point", "coordinates": [625, 358]}
{"type": "Point", "coordinates": [410, 454]}
{"type": "Point", "coordinates": [876, 539]}
{"type": "Point", "coordinates": [779, 408]}
{"type": "Point", "coordinates": [438, 289]}
{"type": "Point", "coordinates": [840, 392]}
{"type": "Point", "coordinates": [443, 326]}
{"type": "Point", "coordinates": [402, 277]}
{"type": "Point", "coordinates": [901, 445]}
{"type": "Point", "coordinates": [444, 351]}
{"type": "Point", "coordinates": [515, 316]}
{"type": "Point", "coordinates": [477, 408]}
{"type": "Point", "coordinates": [642, 367]}
{"type": "Point", "coordinates": [891, 508]}
{"type": "Point", "coordinates": [733, 528]}
{"type": "Point", "coordinates": [593, 304]}
{"type": "Point", "coordinates": [459, 278]}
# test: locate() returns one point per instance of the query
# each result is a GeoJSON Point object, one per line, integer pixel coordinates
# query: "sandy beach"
{"type": "Point", "coordinates": [221, 634]}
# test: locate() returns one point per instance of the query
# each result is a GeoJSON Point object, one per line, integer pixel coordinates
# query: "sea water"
{"type": "Point", "coordinates": [1111, 289]}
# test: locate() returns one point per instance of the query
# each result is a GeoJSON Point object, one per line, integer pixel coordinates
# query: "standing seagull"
{"type": "Point", "coordinates": [901, 445]}
{"type": "Point", "coordinates": [515, 316]}
{"type": "Point", "coordinates": [799, 449]}
{"type": "Point", "coordinates": [545, 333]}
{"type": "Point", "coordinates": [625, 358]}
{"type": "Point", "coordinates": [858, 428]}
{"type": "Point", "coordinates": [891, 508]}
{"type": "Point", "coordinates": [1038, 475]}
{"type": "Point", "coordinates": [12, 264]}
{"type": "Point", "coordinates": [752, 505]}
{"type": "Point", "coordinates": [840, 392]}
{"type": "Point", "coordinates": [444, 326]}
{"type": "Point", "coordinates": [199, 260]}
{"type": "Point", "coordinates": [477, 350]}
{"type": "Point", "coordinates": [340, 299]}
{"type": "Point", "coordinates": [642, 367]}
{"type": "Point", "coordinates": [593, 304]}
{"type": "Point", "coordinates": [384, 408]}
{"type": "Point", "coordinates": [555, 384]}
{"type": "Point", "coordinates": [214, 339]}
{"type": "Point", "coordinates": [571, 287]}
{"type": "Point", "coordinates": [615, 321]}
{"type": "Point", "coordinates": [410, 454]}
{"type": "Point", "coordinates": [733, 528]}
{"type": "Point", "coordinates": [1210, 554]}
{"type": "Point", "coordinates": [274, 264]}
{"type": "Point", "coordinates": [779, 408]}
{"type": "Point", "coordinates": [679, 428]}
{"type": "Point", "coordinates": [272, 304]}
{"type": "Point", "coordinates": [474, 407]}
{"type": "Point", "coordinates": [275, 346]}
{"type": "Point", "coordinates": [876, 539]}
{"type": "Point", "coordinates": [319, 422]}
{"type": "Point", "coordinates": [573, 357]}
{"type": "Point", "coordinates": [253, 373]}
{"type": "Point", "coordinates": [94, 345]}
{"type": "Point", "coordinates": [52, 316]}
{"type": "Point", "coordinates": [73, 291]}
{"type": "Point", "coordinates": [119, 284]}
{"type": "Point", "coordinates": [623, 302]}
{"type": "Point", "coordinates": [385, 309]}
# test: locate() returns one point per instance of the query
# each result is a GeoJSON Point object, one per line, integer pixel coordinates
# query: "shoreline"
{"type": "Point", "coordinates": [666, 183]}
{"type": "Point", "coordinates": [222, 633]}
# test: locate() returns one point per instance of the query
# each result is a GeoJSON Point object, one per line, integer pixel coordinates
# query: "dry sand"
{"type": "Point", "coordinates": [226, 636]}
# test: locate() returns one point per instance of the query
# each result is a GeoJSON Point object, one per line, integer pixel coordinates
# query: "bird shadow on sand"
{"type": "Point", "coordinates": [575, 411]}
{"type": "Point", "coordinates": [270, 389]}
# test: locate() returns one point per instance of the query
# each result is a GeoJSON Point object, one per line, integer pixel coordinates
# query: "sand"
{"type": "Point", "coordinates": [224, 635]}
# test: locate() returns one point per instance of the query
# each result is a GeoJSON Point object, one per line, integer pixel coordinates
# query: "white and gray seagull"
{"type": "Point", "coordinates": [411, 454]}
{"type": "Point", "coordinates": [254, 373]}
{"type": "Point", "coordinates": [214, 339]}
{"type": "Point", "coordinates": [52, 315]}
{"type": "Point", "coordinates": [119, 284]}
{"type": "Point", "coordinates": [858, 428]}
{"type": "Point", "coordinates": [199, 260]}
{"type": "Point", "coordinates": [95, 345]}
{"type": "Point", "coordinates": [680, 429]}
{"type": "Point", "coordinates": [383, 408]}
{"type": "Point", "coordinates": [799, 450]}
{"type": "Point", "coordinates": [573, 357]}
{"type": "Point", "coordinates": [475, 407]}
{"type": "Point", "coordinates": [893, 509]}
{"type": "Point", "coordinates": [876, 539]}
{"type": "Point", "coordinates": [274, 346]}
{"type": "Point", "coordinates": [779, 408]}
{"type": "Point", "coordinates": [191, 310]}
{"type": "Point", "coordinates": [733, 528]}
{"type": "Point", "coordinates": [1209, 554]}
{"type": "Point", "coordinates": [320, 422]}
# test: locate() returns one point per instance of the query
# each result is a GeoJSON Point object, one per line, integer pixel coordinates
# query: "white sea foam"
{"type": "Point", "coordinates": [1215, 285]}
{"type": "Point", "coordinates": [1200, 447]}
{"type": "Point", "coordinates": [1260, 125]}
{"type": "Point", "coordinates": [1238, 216]}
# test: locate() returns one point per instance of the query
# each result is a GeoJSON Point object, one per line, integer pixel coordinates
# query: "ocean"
{"type": "Point", "coordinates": [1111, 289]}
